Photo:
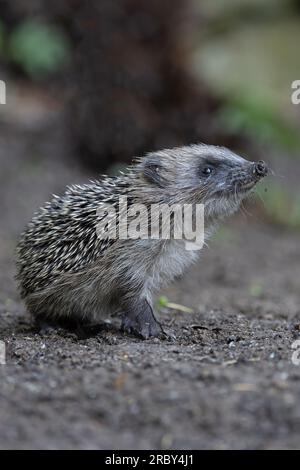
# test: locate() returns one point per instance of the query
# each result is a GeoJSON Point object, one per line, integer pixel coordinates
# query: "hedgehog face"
{"type": "Point", "coordinates": [229, 175]}
{"type": "Point", "coordinates": [205, 174]}
{"type": "Point", "coordinates": [210, 169]}
{"type": "Point", "coordinates": [227, 179]}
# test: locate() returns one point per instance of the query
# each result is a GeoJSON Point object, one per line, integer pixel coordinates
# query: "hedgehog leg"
{"type": "Point", "coordinates": [139, 320]}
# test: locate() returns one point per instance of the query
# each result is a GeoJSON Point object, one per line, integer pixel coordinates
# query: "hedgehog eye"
{"type": "Point", "coordinates": [207, 170]}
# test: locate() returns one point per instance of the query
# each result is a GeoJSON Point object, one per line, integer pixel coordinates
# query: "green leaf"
{"type": "Point", "coordinates": [163, 301]}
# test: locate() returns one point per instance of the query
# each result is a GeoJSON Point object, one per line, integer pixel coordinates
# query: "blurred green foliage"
{"type": "Point", "coordinates": [249, 60]}
{"type": "Point", "coordinates": [281, 206]}
{"type": "Point", "coordinates": [259, 121]}
{"type": "Point", "coordinates": [2, 32]}
{"type": "Point", "coordinates": [40, 49]}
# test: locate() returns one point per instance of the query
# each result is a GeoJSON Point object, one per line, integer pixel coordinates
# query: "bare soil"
{"type": "Point", "coordinates": [226, 381]}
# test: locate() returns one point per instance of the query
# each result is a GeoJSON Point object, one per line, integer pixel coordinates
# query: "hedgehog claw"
{"type": "Point", "coordinates": [169, 336]}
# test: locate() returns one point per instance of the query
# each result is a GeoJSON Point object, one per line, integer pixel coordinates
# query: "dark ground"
{"type": "Point", "coordinates": [227, 381]}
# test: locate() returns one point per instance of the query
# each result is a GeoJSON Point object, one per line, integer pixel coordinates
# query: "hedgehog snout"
{"type": "Point", "coordinates": [260, 169]}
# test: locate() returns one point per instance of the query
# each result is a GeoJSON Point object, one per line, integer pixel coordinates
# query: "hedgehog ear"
{"type": "Point", "coordinates": [152, 171]}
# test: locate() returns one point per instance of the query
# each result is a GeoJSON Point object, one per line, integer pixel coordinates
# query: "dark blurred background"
{"type": "Point", "coordinates": [121, 78]}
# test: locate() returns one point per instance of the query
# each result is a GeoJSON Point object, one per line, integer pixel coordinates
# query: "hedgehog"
{"type": "Point", "coordinates": [69, 271]}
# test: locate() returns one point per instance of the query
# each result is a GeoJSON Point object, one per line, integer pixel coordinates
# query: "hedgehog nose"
{"type": "Point", "coordinates": [260, 168]}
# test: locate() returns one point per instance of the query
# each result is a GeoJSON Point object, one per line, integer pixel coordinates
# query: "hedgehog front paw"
{"type": "Point", "coordinates": [140, 321]}
{"type": "Point", "coordinates": [142, 331]}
